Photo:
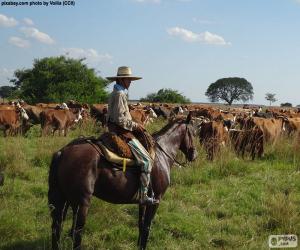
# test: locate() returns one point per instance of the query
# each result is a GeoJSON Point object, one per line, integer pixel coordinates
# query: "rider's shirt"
{"type": "Point", "coordinates": [118, 111]}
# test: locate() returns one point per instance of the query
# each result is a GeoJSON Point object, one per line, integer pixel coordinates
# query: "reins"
{"type": "Point", "coordinates": [167, 154]}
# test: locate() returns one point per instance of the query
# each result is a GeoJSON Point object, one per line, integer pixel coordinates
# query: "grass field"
{"type": "Point", "coordinates": [230, 203]}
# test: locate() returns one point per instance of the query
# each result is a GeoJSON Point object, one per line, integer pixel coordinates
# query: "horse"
{"type": "Point", "coordinates": [79, 171]}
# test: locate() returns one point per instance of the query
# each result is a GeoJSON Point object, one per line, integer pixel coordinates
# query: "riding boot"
{"type": "Point", "coordinates": [145, 199]}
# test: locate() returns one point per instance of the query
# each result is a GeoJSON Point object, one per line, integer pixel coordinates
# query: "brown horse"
{"type": "Point", "coordinates": [78, 171]}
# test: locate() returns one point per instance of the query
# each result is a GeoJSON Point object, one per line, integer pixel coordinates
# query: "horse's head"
{"type": "Point", "coordinates": [187, 145]}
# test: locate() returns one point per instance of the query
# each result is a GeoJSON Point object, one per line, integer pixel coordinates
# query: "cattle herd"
{"type": "Point", "coordinates": [246, 128]}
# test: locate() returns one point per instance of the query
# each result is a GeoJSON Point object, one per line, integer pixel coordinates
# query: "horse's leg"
{"type": "Point", "coordinates": [79, 219]}
{"type": "Point", "coordinates": [142, 209]}
{"type": "Point", "coordinates": [149, 215]}
{"type": "Point", "coordinates": [58, 213]}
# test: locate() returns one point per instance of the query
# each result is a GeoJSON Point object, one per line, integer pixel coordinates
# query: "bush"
{"type": "Point", "coordinates": [286, 104]}
{"type": "Point", "coordinates": [167, 96]}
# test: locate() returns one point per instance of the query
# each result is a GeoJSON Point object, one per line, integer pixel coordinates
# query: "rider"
{"type": "Point", "coordinates": [121, 123]}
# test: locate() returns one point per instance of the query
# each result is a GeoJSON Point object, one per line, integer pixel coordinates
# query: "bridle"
{"type": "Point", "coordinates": [181, 164]}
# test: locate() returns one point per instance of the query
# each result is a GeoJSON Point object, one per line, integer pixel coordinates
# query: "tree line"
{"type": "Point", "coordinates": [57, 79]}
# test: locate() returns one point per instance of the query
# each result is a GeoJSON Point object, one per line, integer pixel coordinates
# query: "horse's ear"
{"type": "Point", "coordinates": [189, 118]}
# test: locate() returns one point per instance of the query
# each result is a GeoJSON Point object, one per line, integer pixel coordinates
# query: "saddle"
{"type": "Point", "coordinates": [117, 150]}
{"type": "Point", "coordinates": [115, 144]}
{"type": "Point", "coordinates": [108, 151]}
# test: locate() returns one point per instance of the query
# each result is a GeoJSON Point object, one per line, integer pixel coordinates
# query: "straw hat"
{"type": "Point", "coordinates": [124, 72]}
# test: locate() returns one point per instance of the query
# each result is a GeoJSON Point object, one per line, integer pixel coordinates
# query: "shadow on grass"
{"type": "Point", "coordinates": [39, 244]}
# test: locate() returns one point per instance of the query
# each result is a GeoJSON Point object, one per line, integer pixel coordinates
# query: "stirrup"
{"type": "Point", "coordinates": [148, 201]}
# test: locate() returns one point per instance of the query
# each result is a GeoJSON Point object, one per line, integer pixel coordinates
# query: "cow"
{"type": "Point", "coordinates": [250, 141]}
{"type": "Point", "coordinates": [292, 125]}
{"type": "Point", "coordinates": [48, 105]}
{"type": "Point", "coordinates": [272, 128]}
{"type": "Point", "coordinates": [142, 116]}
{"type": "Point", "coordinates": [63, 106]}
{"type": "Point", "coordinates": [34, 113]}
{"type": "Point", "coordinates": [99, 112]}
{"type": "Point", "coordinates": [12, 121]}
{"type": "Point", "coordinates": [162, 111]}
{"type": "Point", "coordinates": [60, 120]}
{"type": "Point", "coordinates": [212, 135]}
{"type": "Point", "coordinates": [7, 107]}
{"type": "Point", "coordinates": [263, 114]}
{"type": "Point", "coordinates": [75, 105]}
{"type": "Point", "coordinates": [176, 111]}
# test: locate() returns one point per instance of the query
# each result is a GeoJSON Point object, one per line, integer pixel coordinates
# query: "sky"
{"type": "Point", "coordinates": [180, 44]}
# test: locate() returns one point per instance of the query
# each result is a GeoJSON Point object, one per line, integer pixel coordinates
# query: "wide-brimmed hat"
{"type": "Point", "coordinates": [124, 72]}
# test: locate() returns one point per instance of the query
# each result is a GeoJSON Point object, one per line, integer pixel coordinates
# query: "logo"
{"type": "Point", "coordinates": [283, 241]}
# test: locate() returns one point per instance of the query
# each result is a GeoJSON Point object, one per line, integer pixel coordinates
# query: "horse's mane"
{"type": "Point", "coordinates": [167, 127]}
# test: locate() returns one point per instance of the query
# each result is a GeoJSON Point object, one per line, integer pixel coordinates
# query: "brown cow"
{"type": "Point", "coordinates": [60, 120]}
{"type": "Point", "coordinates": [212, 135]}
{"type": "Point", "coordinates": [7, 107]}
{"type": "Point", "coordinates": [48, 105]}
{"type": "Point", "coordinates": [142, 116]}
{"type": "Point", "coordinates": [272, 128]}
{"type": "Point", "coordinates": [34, 113]}
{"type": "Point", "coordinates": [99, 112]}
{"type": "Point", "coordinates": [11, 121]}
{"type": "Point", "coordinates": [292, 125]}
{"type": "Point", "coordinates": [250, 141]}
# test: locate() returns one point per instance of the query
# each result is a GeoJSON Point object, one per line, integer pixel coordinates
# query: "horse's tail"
{"type": "Point", "coordinates": [54, 192]}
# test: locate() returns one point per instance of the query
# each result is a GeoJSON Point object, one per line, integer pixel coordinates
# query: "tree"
{"type": "Point", "coordinates": [270, 97]}
{"type": "Point", "coordinates": [229, 90]}
{"type": "Point", "coordinates": [6, 91]}
{"type": "Point", "coordinates": [286, 104]}
{"type": "Point", "coordinates": [167, 96]}
{"type": "Point", "coordinates": [57, 79]}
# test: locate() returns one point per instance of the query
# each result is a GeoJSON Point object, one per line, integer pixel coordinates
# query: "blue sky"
{"type": "Point", "coordinates": [179, 44]}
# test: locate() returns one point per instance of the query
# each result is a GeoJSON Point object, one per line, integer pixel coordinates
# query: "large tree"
{"type": "Point", "coordinates": [229, 90]}
{"type": "Point", "coordinates": [167, 96]}
{"type": "Point", "coordinates": [57, 79]}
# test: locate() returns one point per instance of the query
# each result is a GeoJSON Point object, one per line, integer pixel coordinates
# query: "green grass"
{"type": "Point", "coordinates": [229, 203]}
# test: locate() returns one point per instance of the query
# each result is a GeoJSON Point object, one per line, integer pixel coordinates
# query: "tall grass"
{"type": "Point", "coordinates": [229, 203]}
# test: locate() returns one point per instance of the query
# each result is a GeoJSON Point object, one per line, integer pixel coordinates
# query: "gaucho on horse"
{"type": "Point", "coordinates": [84, 167]}
{"type": "Point", "coordinates": [121, 123]}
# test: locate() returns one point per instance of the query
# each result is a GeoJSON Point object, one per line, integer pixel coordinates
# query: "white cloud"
{"type": "Point", "coordinates": [92, 56]}
{"type": "Point", "coordinates": [189, 36]}
{"type": "Point", "coordinates": [28, 21]}
{"type": "Point", "coordinates": [38, 35]}
{"type": "Point", "coordinates": [7, 21]}
{"type": "Point", "coordinates": [19, 42]}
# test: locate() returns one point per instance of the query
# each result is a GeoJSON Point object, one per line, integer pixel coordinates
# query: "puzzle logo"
{"type": "Point", "coordinates": [283, 241]}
